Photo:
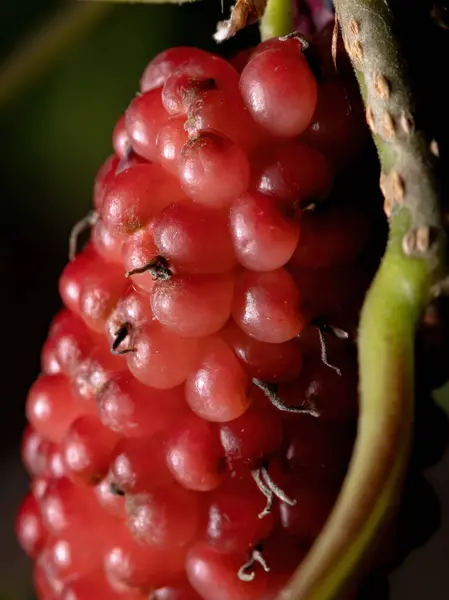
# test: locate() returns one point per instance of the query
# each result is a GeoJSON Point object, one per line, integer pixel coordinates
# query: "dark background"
{"type": "Point", "coordinates": [58, 104]}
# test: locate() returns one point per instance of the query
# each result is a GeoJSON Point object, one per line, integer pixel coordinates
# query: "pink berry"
{"type": "Point", "coordinates": [86, 449]}
{"type": "Point", "coordinates": [133, 409]}
{"type": "Point", "coordinates": [104, 176]}
{"type": "Point", "coordinates": [91, 374]}
{"type": "Point", "coordinates": [161, 358]}
{"type": "Point", "coordinates": [214, 574]}
{"type": "Point", "coordinates": [218, 389]}
{"type": "Point", "coordinates": [96, 585]}
{"type": "Point", "coordinates": [30, 530]}
{"type": "Point", "coordinates": [197, 407]}
{"type": "Point", "coordinates": [233, 522]}
{"type": "Point", "coordinates": [267, 306]}
{"type": "Point", "coordinates": [136, 195]}
{"type": "Point", "coordinates": [187, 83]}
{"type": "Point", "coordinates": [171, 139]}
{"type": "Point", "coordinates": [251, 440]}
{"type": "Point", "coordinates": [42, 458]}
{"type": "Point", "coordinates": [39, 486]}
{"type": "Point", "coordinates": [193, 454]}
{"type": "Point", "coordinates": [99, 293]}
{"type": "Point", "coordinates": [66, 508]}
{"type": "Point", "coordinates": [47, 588]}
{"type": "Point", "coordinates": [132, 471]}
{"type": "Point", "coordinates": [130, 563]}
{"type": "Point", "coordinates": [291, 43]}
{"type": "Point", "coordinates": [71, 341]}
{"type": "Point", "coordinates": [120, 138]}
{"type": "Point", "coordinates": [51, 406]}
{"type": "Point", "coordinates": [223, 112]}
{"type": "Point", "coordinates": [106, 244]}
{"type": "Point", "coordinates": [293, 173]}
{"type": "Point", "coordinates": [193, 306]}
{"type": "Point", "coordinates": [194, 238]}
{"type": "Point", "coordinates": [110, 497]}
{"type": "Point", "coordinates": [71, 281]}
{"type": "Point", "coordinates": [168, 61]}
{"type": "Point", "coordinates": [280, 91]}
{"type": "Point", "coordinates": [167, 517]}
{"type": "Point", "coordinates": [263, 235]}
{"type": "Point", "coordinates": [139, 250]}
{"type": "Point", "coordinates": [264, 361]}
{"type": "Point", "coordinates": [31, 451]}
{"type": "Point", "coordinates": [213, 170]}
{"type": "Point", "coordinates": [49, 359]}
{"type": "Point", "coordinates": [181, 591]}
{"type": "Point", "coordinates": [143, 119]}
{"type": "Point", "coordinates": [68, 556]}
{"type": "Point", "coordinates": [131, 312]}
{"type": "Point", "coordinates": [55, 463]}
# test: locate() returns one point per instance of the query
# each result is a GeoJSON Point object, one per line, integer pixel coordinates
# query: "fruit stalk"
{"type": "Point", "coordinates": [410, 270]}
{"type": "Point", "coordinates": [277, 19]}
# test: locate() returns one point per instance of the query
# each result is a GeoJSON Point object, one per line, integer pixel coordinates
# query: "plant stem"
{"type": "Point", "coordinates": [412, 265]}
{"type": "Point", "coordinates": [277, 19]}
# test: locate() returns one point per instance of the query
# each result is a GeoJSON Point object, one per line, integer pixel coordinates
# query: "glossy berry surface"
{"type": "Point", "coordinates": [30, 530]}
{"type": "Point", "coordinates": [195, 415]}
{"type": "Point", "coordinates": [280, 91]}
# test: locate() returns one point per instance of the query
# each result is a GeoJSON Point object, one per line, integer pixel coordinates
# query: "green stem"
{"type": "Point", "coordinates": [403, 285]}
{"type": "Point", "coordinates": [372, 487]}
{"type": "Point", "coordinates": [277, 19]}
{"type": "Point", "coordinates": [38, 52]}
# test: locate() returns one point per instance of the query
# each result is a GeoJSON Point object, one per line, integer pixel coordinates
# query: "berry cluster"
{"type": "Point", "coordinates": [196, 409]}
